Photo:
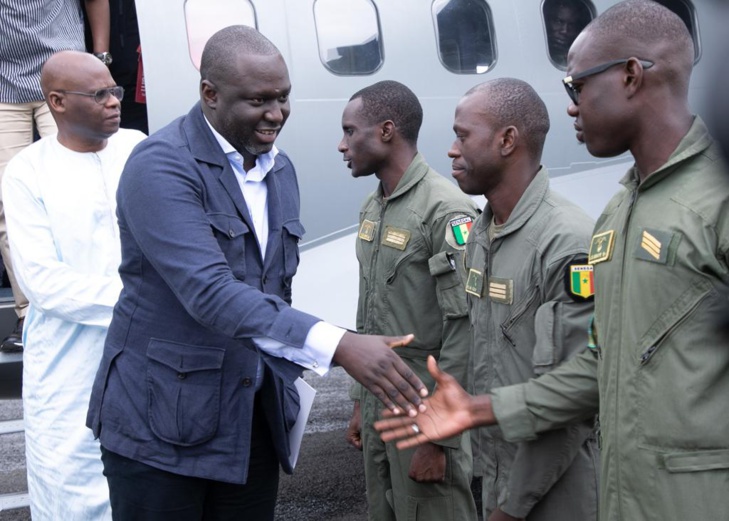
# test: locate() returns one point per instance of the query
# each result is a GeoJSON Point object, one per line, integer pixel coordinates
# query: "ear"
{"type": "Point", "coordinates": [633, 77]}
{"type": "Point", "coordinates": [56, 102]}
{"type": "Point", "coordinates": [507, 140]}
{"type": "Point", "coordinates": [208, 93]}
{"type": "Point", "coordinates": [387, 131]}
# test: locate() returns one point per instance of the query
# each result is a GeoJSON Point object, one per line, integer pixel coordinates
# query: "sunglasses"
{"type": "Point", "coordinates": [574, 93]}
{"type": "Point", "coordinates": [101, 96]}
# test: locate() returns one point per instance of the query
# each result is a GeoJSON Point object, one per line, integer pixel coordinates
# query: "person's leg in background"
{"type": "Point", "coordinates": [17, 122]}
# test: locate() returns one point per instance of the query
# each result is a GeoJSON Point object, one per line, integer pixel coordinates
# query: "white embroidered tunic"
{"type": "Point", "coordinates": [60, 207]}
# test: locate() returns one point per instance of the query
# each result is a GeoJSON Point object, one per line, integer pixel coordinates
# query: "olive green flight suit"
{"type": "Point", "coordinates": [659, 371]}
{"type": "Point", "coordinates": [526, 319]}
{"type": "Point", "coordinates": [409, 253]}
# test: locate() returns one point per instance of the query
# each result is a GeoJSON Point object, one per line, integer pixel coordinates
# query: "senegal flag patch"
{"type": "Point", "coordinates": [461, 226]}
{"type": "Point", "coordinates": [580, 281]}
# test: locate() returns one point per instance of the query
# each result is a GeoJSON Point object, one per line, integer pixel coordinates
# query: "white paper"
{"type": "Point", "coordinates": [306, 399]}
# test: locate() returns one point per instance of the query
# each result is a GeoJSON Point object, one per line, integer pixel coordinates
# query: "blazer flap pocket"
{"type": "Point", "coordinates": [184, 357]}
{"type": "Point", "coordinates": [696, 461]}
{"type": "Point", "coordinates": [228, 225]}
{"type": "Point", "coordinates": [295, 228]}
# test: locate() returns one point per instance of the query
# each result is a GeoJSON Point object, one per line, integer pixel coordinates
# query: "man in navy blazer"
{"type": "Point", "coordinates": [194, 396]}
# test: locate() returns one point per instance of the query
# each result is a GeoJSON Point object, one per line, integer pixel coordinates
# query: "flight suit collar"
{"type": "Point", "coordinates": [696, 140]}
{"type": "Point", "coordinates": [525, 208]}
{"type": "Point", "coordinates": [414, 173]}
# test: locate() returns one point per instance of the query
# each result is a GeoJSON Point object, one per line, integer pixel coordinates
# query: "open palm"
{"type": "Point", "coordinates": [447, 413]}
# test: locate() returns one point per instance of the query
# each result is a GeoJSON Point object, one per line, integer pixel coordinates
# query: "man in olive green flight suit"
{"type": "Point", "coordinates": [530, 299]}
{"type": "Point", "coordinates": [659, 367]}
{"type": "Point", "coordinates": [412, 233]}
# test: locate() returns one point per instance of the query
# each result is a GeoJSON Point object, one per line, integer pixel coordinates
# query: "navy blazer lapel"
{"type": "Point", "coordinates": [274, 214]}
{"type": "Point", "coordinates": [205, 148]}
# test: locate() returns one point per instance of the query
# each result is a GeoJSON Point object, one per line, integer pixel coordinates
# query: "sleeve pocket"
{"type": "Point", "coordinates": [183, 391]}
{"type": "Point", "coordinates": [449, 288]}
{"type": "Point", "coordinates": [544, 357]}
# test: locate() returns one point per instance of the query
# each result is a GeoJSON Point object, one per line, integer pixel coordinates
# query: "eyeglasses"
{"type": "Point", "coordinates": [574, 92]}
{"type": "Point", "coordinates": [101, 96]}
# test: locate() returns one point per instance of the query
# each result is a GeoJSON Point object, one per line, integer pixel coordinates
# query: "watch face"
{"type": "Point", "coordinates": [105, 57]}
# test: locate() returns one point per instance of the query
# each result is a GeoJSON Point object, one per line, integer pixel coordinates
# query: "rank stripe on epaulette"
{"type": "Point", "coordinates": [501, 290]}
{"type": "Point", "coordinates": [651, 245]}
{"type": "Point", "coordinates": [497, 290]}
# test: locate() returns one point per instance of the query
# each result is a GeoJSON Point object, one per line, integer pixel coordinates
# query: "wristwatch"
{"type": "Point", "coordinates": [105, 57]}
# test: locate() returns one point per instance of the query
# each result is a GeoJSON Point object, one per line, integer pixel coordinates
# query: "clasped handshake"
{"type": "Point", "coordinates": [450, 410]}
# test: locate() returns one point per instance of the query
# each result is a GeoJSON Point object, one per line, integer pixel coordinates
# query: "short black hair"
{"type": "Point", "coordinates": [510, 101]}
{"type": "Point", "coordinates": [643, 21]}
{"type": "Point", "coordinates": [646, 29]}
{"type": "Point", "coordinates": [394, 101]}
{"type": "Point", "coordinates": [224, 46]}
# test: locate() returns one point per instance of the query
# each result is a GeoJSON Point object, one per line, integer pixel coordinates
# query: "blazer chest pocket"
{"type": "Point", "coordinates": [293, 232]}
{"type": "Point", "coordinates": [230, 232]}
{"type": "Point", "coordinates": [183, 391]}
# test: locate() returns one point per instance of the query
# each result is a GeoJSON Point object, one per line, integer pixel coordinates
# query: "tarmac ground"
{"type": "Point", "coordinates": [327, 484]}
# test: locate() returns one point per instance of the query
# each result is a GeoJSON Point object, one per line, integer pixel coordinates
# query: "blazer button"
{"type": "Point", "coordinates": [181, 376]}
{"type": "Point", "coordinates": [231, 233]}
{"type": "Point", "coordinates": [246, 382]}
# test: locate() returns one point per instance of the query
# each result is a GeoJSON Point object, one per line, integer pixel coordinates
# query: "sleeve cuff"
{"type": "Point", "coordinates": [320, 344]}
{"type": "Point", "coordinates": [510, 408]}
{"type": "Point", "coordinates": [316, 353]}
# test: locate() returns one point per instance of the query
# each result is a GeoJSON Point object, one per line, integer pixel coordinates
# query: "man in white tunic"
{"type": "Point", "coordinates": [61, 213]}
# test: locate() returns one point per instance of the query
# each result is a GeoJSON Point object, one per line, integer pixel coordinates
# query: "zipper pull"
{"type": "Point", "coordinates": [647, 354]}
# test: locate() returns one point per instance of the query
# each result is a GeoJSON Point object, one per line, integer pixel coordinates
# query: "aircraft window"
{"type": "Point", "coordinates": [685, 10]}
{"type": "Point", "coordinates": [465, 30]}
{"type": "Point", "coordinates": [203, 18]}
{"type": "Point", "coordinates": [563, 21]}
{"type": "Point", "coordinates": [348, 34]}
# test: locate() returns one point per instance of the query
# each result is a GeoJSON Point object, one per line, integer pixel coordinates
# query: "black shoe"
{"type": "Point", "coordinates": [14, 342]}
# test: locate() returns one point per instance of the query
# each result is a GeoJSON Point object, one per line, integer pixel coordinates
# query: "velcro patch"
{"type": "Point", "coordinates": [657, 246]}
{"type": "Point", "coordinates": [367, 230]}
{"type": "Point", "coordinates": [580, 281]}
{"type": "Point", "coordinates": [396, 238]}
{"type": "Point", "coordinates": [501, 290]}
{"type": "Point", "coordinates": [601, 247]}
{"type": "Point", "coordinates": [460, 227]}
{"type": "Point", "coordinates": [474, 283]}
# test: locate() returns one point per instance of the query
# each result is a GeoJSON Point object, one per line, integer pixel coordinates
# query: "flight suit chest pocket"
{"type": "Point", "coordinates": [397, 246]}
{"type": "Point", "coordinates": [183, 391]}
{"type": "Point", "coordinates": [449, 286]}
{"type": "Point", "coordinates": [230, 232]}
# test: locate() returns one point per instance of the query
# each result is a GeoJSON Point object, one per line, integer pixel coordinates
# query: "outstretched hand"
{"type": "Point", "coordinates": [354, 429]}
{"type": "Point", "coordinates": [447, 412]}
{"type": "Point", "coordinates": [371, 361]}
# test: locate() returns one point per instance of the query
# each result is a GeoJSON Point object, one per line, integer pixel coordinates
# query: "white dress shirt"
{"type": "Point", "coordinates": [323, 338]}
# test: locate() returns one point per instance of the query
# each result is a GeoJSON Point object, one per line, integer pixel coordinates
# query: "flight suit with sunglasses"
{"type": "Point", "coordinates": [573, 91]}
{"type": "Point", "coordinates": [660, 252]}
